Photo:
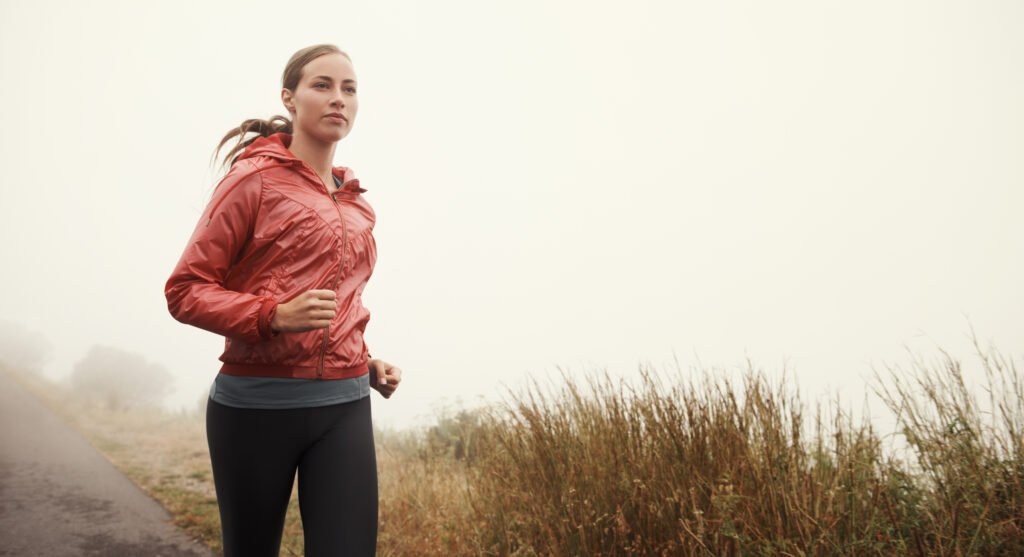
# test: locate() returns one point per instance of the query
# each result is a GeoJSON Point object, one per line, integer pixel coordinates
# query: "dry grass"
{"type": "Point", "coordinates": [610, 467]}
{"type": "Point", "coordinates": [718, 468]}
{"type": "Point", "coordinates": [424, 499]}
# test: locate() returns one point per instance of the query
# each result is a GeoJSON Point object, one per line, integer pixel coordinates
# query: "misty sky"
{"type": "Point", "coordinates": [811, 185]}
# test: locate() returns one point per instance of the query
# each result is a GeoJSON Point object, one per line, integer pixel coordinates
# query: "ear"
{"type": "Point", "coordinates": [286, 99]}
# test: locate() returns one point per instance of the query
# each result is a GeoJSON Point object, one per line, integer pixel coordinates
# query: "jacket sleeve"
{"type": "Point", "coordinates": [195, 290]}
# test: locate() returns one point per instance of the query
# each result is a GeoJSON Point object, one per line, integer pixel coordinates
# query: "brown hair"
{"type": "Point", "coordinates": [289, 80]}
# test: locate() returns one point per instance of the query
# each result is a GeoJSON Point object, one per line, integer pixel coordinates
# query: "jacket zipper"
{"type": "Point", "coordinates": [337, 277]}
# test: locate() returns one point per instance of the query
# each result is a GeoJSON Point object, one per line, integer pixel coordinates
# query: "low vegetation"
{"type": "Point", "coordinates": [692, 466]}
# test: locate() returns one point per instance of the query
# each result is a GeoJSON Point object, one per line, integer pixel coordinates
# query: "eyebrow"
{"type": "Point", "coordinates": [329, 79]}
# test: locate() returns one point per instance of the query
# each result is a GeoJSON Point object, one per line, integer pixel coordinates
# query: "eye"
{"type": "Point", "coordinates": [351, 89]}
{"type": "Point", "coordinates": [321, 83]}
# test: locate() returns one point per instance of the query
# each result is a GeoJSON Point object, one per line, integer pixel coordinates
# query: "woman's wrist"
{"type": "Point", "coordinates": [273, 321]}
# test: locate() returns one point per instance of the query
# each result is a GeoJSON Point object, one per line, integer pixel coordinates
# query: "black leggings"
{"type": "Point", "coordinates": [255, 454]}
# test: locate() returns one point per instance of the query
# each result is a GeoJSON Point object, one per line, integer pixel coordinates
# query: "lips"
{"type": "Point", "coordinates": [336, 116]}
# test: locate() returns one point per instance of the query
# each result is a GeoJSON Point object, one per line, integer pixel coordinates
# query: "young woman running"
{"type": "Point", "coordinates": [277, 264]}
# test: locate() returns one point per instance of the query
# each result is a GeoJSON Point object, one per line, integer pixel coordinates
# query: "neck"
{"type": "Point", "coordinates": [318, 155]}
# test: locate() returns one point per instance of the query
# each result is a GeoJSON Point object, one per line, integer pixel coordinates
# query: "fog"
{"type": "Point", "coordinates": [813, 186]}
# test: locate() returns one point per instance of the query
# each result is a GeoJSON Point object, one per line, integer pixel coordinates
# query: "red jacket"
{"type": "Point", "coordinates": [271, 232]}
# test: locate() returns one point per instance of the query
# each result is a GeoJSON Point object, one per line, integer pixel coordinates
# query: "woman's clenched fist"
{"type": "Point", "coordinates": [313, 309]}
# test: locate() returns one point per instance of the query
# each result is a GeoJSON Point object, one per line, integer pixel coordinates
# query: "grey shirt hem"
{"type": "Point", "coordinates": [273, 393]}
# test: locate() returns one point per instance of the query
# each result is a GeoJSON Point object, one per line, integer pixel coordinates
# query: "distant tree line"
{"type": "Point", "coordinates": [120, 378]}
{"type": "Point", "coordinates": [21, 349]}
{"type": "Point", "coordinates": [123, 379]}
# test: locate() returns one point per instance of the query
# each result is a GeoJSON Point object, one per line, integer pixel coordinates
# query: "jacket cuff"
{"type": "Point", "coordinates": [266, 315]}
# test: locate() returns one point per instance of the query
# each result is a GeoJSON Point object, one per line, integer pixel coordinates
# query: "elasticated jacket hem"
{"type": "Point", "coordinates": [296, 372]}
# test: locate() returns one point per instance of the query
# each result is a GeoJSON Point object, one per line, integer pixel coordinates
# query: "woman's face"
{"type": "Point", "coordinates": [327, 89]}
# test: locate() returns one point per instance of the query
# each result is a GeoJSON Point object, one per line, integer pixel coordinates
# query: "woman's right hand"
{"type": "Point", "coordinates": [313, 309]}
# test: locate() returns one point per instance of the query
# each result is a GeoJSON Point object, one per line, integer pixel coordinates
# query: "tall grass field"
{"type": "Point", "coordinates": [695, 465]}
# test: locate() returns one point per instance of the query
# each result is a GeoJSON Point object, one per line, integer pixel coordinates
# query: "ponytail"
{"type": "Point", "coordinates": [262, 128]}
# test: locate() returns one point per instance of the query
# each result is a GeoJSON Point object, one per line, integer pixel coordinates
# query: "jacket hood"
{"type": "Point", "coordinates": [275, 146]}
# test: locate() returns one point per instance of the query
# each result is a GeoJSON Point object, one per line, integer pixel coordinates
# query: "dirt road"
{"type": "Point", "coordinates": [58, 496]}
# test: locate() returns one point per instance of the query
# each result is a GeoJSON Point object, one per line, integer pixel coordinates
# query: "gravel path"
{"type": "Point", "coordinates": [59, 496]}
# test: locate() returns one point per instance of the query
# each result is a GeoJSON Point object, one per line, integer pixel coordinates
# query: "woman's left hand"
{"type": "Point", "coordinates": [384, 377]}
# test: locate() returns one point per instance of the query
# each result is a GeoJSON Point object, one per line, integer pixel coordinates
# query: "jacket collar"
{"type": "Point", "coordinates": [276, 145]}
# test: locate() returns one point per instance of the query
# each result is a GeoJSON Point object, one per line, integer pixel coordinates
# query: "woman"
{"type": "Point", "coordinates": [277, 264]}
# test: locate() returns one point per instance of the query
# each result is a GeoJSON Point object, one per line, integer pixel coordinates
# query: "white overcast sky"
{"type": "Point", "coordinates": [811, 185]}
